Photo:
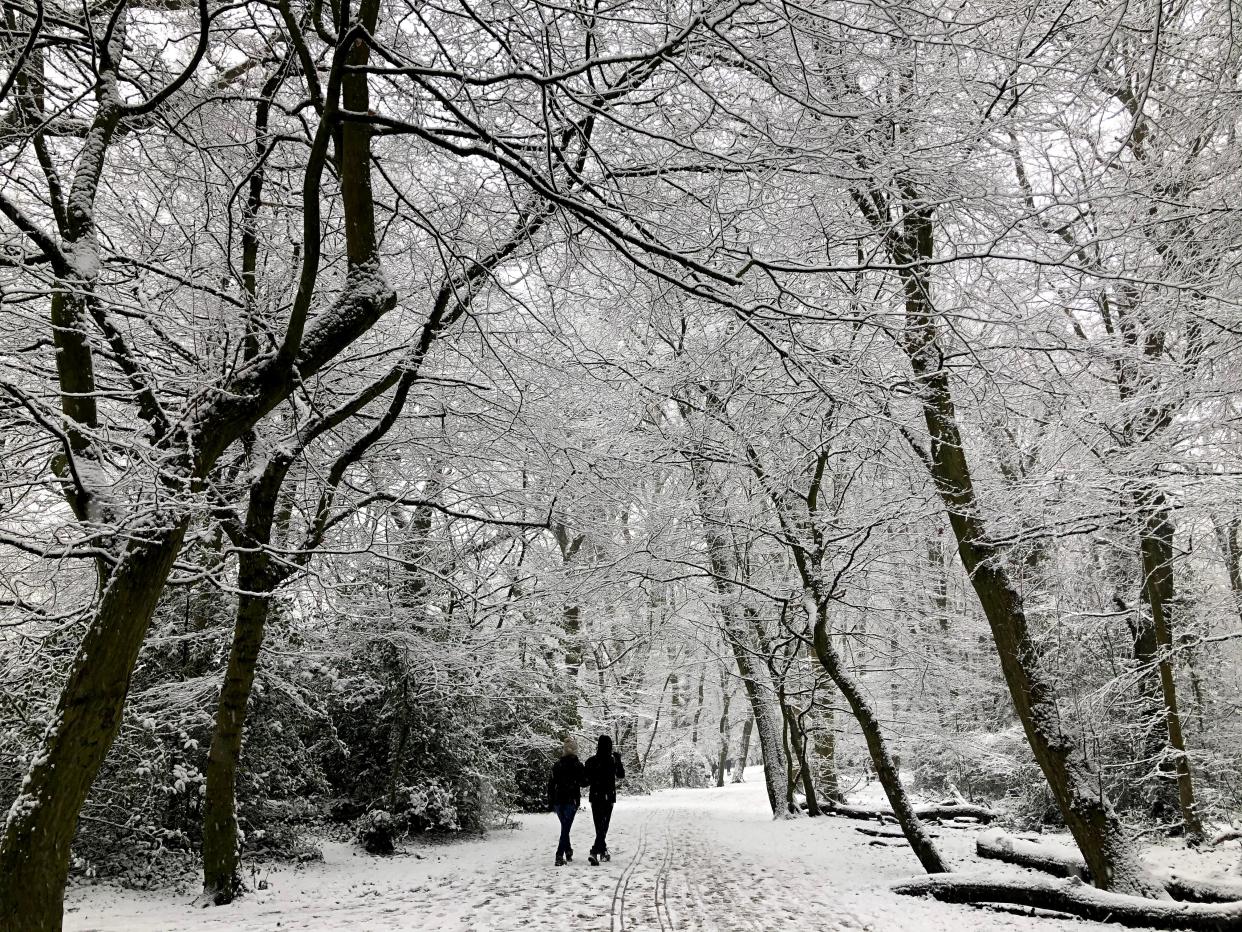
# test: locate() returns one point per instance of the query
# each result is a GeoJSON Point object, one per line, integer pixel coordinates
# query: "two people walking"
{"type": "Point", "coordinates": [600, 772]}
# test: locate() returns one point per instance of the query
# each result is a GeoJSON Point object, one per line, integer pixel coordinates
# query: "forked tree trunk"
{"type": "Point", "coordinates": [798, 745]}
{"type": "Point", "coordinates": [34, 854]}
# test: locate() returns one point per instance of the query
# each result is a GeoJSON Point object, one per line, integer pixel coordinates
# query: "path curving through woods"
{"type": "Point", "coordinates": [710, 859]}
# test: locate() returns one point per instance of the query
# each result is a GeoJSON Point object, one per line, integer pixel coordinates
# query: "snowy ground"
{"type": "Point", "coordinates": [682, 859]}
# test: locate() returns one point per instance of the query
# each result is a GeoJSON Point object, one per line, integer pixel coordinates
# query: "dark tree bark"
{"type": "Point", "coordinates": [221, 852]}
{"type": "Point", "coordinates": [34, 852]}
{"type": "Point", "coordinates": [1157, 552]}
{"type": "Point", "coordinates": [806, 773]}
{"type": "Point", "coordinates": [1071, 775]}
{"type": "Point", "coordinates": [881, 758]}
{"type": "Point", "coordinates": [34, 856]}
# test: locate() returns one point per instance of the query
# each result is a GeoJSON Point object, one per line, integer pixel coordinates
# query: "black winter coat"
{"type": "Point", "coordinates": [568, 776]}
{"type": "Point", "coordinates": [602, 773]}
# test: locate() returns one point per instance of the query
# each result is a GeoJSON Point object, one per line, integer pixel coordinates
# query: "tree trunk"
{"type": "Point", "coordinates": [1227, 535]}
{"type": "Point", "coordinates": [738, 629]}
{"type": "Point", "coordinates": [767, 722]}
{"type": "Point", "coordinates": [698, 711]}
{"type": "Point", "coordinates": [792, 774]}
{"type": "Point", "coordinates": [1153, 743]}
{"type": "Point", "coordinates": [221, 847]}
{"type": "Point", "coordinates": [798, 744]}
{"type": "Point", "coordinates": [256, 581]}
{"type": "Point", "coordinates": [743, 751]}
{"type": "Point", "coordinates": [1157, 549]}
{"type": "Point", "coordinates": [886, 770]}
{"type": "Point", "coordinates": [34, 854]}
{"type": "Point", "coordinates": [1073, 778]}
{"type": "Point", "coordinates": [723, 756]}
{"type": "Point", "coordinates": [824, 747]}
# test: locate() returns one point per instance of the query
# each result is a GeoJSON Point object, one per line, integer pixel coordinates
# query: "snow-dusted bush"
{"type": "Point", "coordinates": [430, 807]}
{"type": "Point", "coordinates": [981, 765]}
{"type": "Point", "coordinates": [377, 832]}
{"type": "Point", "coordinates": [689, 767]}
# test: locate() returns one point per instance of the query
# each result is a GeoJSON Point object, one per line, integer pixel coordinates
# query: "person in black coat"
{"type": "Point", "coordinates": [603, 770]}
{"type": "Point", "coordinates": [565, 795]}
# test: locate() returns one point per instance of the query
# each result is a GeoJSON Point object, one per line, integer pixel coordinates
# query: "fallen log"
{"type": "Point", "coordinates": [1199, 889]}
{"type": "Point", "coordinates": [952, 810]}
{"type": "Point", "coordinates": [1062, 862]}
{"type": "Point", "coordinates": [896, 836]}
{"type": "Point", "coordinates": [1075, 898]}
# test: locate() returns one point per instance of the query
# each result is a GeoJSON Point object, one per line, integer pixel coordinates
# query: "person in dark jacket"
{"type": "Point", "coordinates": [565, 795]}
{"type": "Point", "coordinates": [603, 770]}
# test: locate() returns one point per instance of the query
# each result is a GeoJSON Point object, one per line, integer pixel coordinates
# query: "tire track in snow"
{"type": "Point", "coordinates": [617, 923]}
{"type": "Point", "coordinates": [660, 887]}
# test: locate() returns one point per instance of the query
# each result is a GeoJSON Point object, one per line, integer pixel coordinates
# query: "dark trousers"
{"type": "Point", "coordinates": [565, 812]}
{"type": "Point", "coordinates": [601, 813]}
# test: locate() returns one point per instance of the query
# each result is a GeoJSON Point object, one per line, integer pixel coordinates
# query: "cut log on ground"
{"type": "Point", "coordinates": [1075, 898]}
{"type": "Point", "coordinates": [1061, 862]}
{"type": "Point", "coordinates": [952, 810]}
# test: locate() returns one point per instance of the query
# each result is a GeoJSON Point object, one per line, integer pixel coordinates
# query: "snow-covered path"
{"type": "Point", "coordinates": [682, 860]}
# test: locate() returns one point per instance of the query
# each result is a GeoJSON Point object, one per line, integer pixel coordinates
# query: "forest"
{"type": "Point", "coordinates": [390, 389]}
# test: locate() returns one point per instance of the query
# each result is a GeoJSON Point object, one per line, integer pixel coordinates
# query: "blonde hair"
{"type": "Point", "coordinates": [569, 744]}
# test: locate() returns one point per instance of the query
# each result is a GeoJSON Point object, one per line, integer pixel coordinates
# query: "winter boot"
{"type": "Point", "coordinates": [560, 860]}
